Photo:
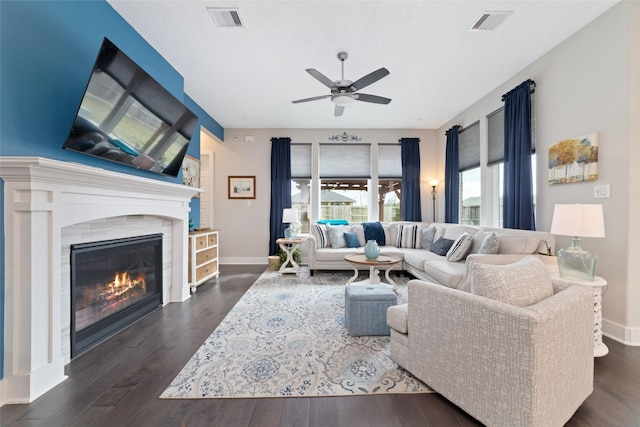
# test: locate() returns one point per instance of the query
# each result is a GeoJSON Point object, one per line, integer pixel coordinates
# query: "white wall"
{"type": "Point", "coordinates": [584, 85]}
{"type": "Point", "coordinates": [244, 224]}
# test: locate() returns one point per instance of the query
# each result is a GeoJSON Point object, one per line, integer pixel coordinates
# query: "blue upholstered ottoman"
{"type": "Point", "coordinates": [365, 308]}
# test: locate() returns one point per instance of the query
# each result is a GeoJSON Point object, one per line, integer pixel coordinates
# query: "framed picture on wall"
{"type": "Point", "coordinates": [191, 172]}
{"type": "Point", "coordinates": [574, 160]}
{"type": "Point", "coordinates": [242, 187]}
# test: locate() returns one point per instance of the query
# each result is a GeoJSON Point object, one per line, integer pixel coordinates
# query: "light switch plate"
{"type": "Point", "coordinates": [601, 191]}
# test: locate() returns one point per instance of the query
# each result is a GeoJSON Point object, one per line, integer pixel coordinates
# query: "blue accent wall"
{"type": "Point", "coordinates": [48, 51]}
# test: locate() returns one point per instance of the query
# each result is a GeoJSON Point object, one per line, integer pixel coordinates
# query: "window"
{"type": "Point", "coordinates": [469, 164]}
{"type": "Point", "coordinates": [390, 182]}
{"type": "Point", "coordinates": [345, 173]}
{"type": "Point", "coordinates": [345, 177]}
{"type": "Point", "coordinates": [301, 183]}
{"type": "Point", "coordinates": [500, 167]}
{"type": "Point", "coordinates": [470, 196]}
{"type": "Point", "coordinates": [389, 200]}
{"type": "Point", "coordinates": [344, 199]}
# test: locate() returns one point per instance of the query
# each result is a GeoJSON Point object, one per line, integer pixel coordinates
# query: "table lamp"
{"type": "Point", "coordinates": [577, 221]}
{"type": "Point", "coordinates": [289, 216]}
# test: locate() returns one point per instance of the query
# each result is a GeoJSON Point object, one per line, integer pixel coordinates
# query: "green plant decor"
{"type": "Point", "coordinates": [297, 257]}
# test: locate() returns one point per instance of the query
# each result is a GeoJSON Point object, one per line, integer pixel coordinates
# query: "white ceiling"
{"type": "Point", "coordinates": [247, 77]}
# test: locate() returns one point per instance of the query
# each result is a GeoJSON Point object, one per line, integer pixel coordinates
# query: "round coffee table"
{"type": "Point", "coordinates": [383, 261]}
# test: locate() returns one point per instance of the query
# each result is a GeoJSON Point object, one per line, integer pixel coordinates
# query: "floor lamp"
{"type": "Point", "coordinates": [434, 183]}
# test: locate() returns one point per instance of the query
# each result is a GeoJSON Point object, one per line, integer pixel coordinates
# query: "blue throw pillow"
{"type": "Point", "coordinates": [352, 240]}
{"type": "Point", "coordinates": [441, 246]}
{"type": "Point", "coordinates": [374, 231]}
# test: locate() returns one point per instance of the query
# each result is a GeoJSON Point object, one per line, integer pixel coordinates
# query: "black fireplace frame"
{"type": "Point", "coordinates": [96, 333]}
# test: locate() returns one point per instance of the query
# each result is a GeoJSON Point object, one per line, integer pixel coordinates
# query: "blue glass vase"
{"type": "Point", "coordinates": [371, 249]}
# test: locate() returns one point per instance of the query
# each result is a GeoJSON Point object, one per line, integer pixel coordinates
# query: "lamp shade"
{"type": "Point", "coordinates": [289, 215]}
{"type": "Point", "coordinates": [578, 220]}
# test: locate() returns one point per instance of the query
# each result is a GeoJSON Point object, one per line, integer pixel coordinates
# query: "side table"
{"type": "Point", "coordinates": [289, 246]}
{"type": "Point", "coordinates": [599, 348]}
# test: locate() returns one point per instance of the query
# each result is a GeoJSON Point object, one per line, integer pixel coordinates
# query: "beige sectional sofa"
{"type": "Point", "coordinates": [404, 240]}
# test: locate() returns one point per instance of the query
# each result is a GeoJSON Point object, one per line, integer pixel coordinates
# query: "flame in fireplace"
{"type": "Point", "coordinates": [123, 284]}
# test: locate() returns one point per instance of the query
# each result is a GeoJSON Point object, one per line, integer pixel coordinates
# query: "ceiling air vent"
{"type": "Point", "coordinates": [226, 17]}
{"type": "Point", "coordinates": [490, 21]}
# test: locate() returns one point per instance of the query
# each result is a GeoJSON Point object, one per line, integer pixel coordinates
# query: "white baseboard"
{"type": "Point", "coordinates": [245, 260]}
{"type": "Point", "coordinates": [250, 260]}
{"type": "Point", "coordinates": [620, 333]}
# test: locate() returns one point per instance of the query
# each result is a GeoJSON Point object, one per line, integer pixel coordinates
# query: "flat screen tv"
{"type": "Point", "coordinates": [127, 117]}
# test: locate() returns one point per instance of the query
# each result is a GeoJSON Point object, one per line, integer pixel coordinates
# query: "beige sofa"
{"type": "Point", "coordinates": [505, 365]}
{"type": "Point", "coordinates": [421, 263]}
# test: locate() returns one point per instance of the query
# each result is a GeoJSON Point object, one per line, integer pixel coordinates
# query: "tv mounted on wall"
{"type": "Point", "coordinates": [127, 117]}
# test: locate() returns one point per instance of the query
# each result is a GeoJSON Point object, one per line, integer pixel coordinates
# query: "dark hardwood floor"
{"type": "Point", "coordinates": [118, 382]}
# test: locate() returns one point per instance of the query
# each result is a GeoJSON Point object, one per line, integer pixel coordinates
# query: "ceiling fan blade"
{"type": "Point", "coordinates": [371, 98]}
{"type": "Point", "coordinates": [315, 98]}
{"type": "Point", "coordinates": [369, 79]}
{"type": "Point", "coordinates": [338, 111]}
{"type": "Point", "coordinates": [321, 78]}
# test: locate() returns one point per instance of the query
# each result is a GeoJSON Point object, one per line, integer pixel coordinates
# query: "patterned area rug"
{"type": "Point", "coordinates": [286, 337]}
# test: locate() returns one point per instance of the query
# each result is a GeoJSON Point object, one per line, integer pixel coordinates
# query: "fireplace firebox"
{"type": "Point", "coordinates": [113, 284]}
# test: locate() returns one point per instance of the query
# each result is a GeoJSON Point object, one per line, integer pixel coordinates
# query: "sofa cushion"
{"type": "Point", "coordinates": [478, 240]}
{"type": "Point", "coordinates": [522, 283]}
{"type": "Point", "coordinates": [445, 272]}
{"type": "Point", "coordinates": [490, 244]}
{"type": "Point", "coordinates": [441, 246]}
{"type": "Point", "coordinates": [397, 316]}
{"type": "Point", "coordinates": [374, 231]}
{"type": "Point", "coordinates": [417, 257]}
{"type": "Point", "coordinates": [359, 230]}
{"type": "Point", "coordinates": [460, 248]}
{"type": "Point", "coordinates": [407, 236]}
{"type": "Point", "coordinates": [427, 237]}
{"type": "Point", "coordinates": [336, 235]}
{"type": "Point", "coordinates": [319, 231]}
{"type": "Point", "coordinates": [511, 244]}
{"type": "Point", "coordinates": [452, 231]}
{"type": "Point", "coordinates": [352, 240]}
{"type": "Point", "coordinates": [330, 254]}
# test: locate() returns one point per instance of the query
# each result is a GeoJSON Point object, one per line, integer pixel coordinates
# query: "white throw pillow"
{"type": "Point", "coordinates": [522, 283]}
{"type": "Point", "coordinates": [359, 230]}
{"type": "Point", "coordinates": [490, 244]}
{"type": "Point", "coordinates": [460, 248]}
{"type": "Point", "coordinates": [427, 237]}
{"type": "Point", "coordinates": [319, 231]}
{"type": "Point", "coordinates": [407, 236]}
{"type": "Point", "coordinates": [336, 235]}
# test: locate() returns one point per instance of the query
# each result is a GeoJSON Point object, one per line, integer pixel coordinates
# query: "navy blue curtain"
{"type": "Point", "coordinates": [517, 202]}
{"type": "Point", "coordinates": [410, 154]}
{"type": "Point", "coordinates": [280, 189]}
{"type": "Point", "coordinates": [452, 177]}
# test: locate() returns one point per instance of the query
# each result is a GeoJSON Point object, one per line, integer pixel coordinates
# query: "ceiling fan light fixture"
{"type": "Point", "coordinates": [342, 98]}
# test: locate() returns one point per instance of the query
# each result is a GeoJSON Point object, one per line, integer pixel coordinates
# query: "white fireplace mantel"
{"type": "Point", "coordinates": [41, 197]}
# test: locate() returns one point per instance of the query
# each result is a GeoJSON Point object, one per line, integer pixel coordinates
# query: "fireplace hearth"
{"type": "Point", "coordinates": [113, 284]}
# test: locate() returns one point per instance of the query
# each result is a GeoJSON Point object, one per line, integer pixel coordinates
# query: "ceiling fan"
{"type": "Point", "coordinates": [344, 91]}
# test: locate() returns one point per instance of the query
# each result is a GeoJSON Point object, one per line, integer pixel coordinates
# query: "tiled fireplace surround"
{"type": "Point", "coordinates": [48, 206]}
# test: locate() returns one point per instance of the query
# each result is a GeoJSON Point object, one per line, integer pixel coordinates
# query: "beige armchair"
{"type": "Point", "coordinates": [505, 365]}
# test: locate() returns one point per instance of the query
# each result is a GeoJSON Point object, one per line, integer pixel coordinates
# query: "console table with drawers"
{"type": "Point", "coordinates": [203, 257]}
